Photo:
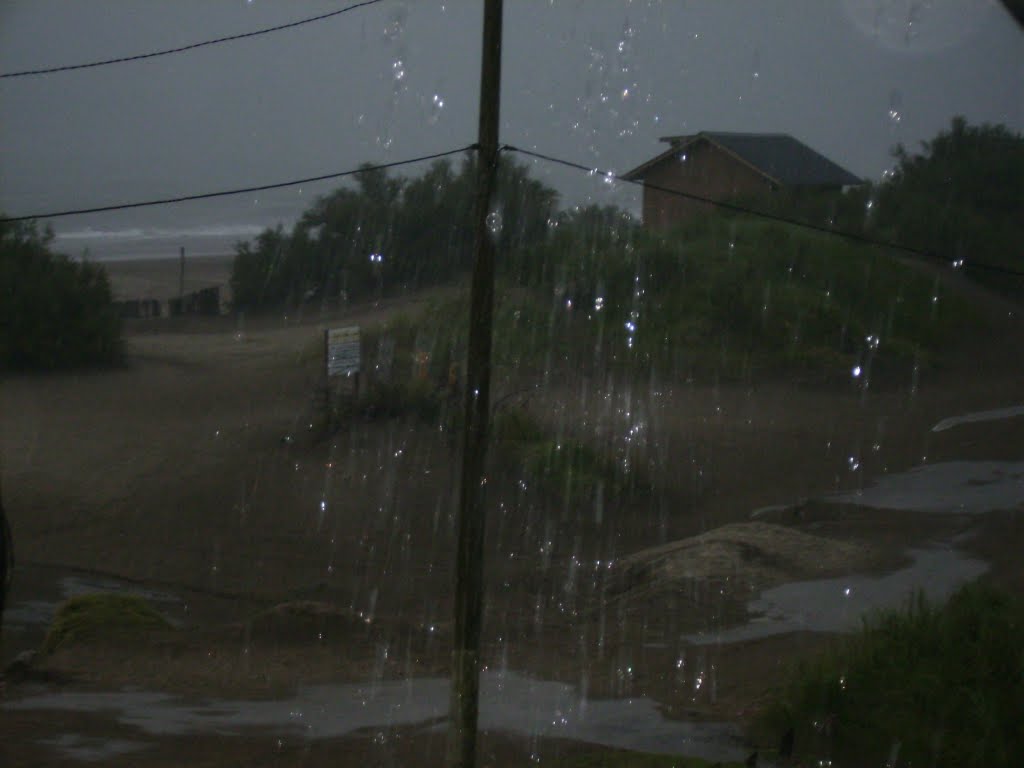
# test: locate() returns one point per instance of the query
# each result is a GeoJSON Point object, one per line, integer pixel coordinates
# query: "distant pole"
{"type": "Point", "coordinates": [181, 279]}
{"type": "Point", "coordinates": [464, 703]}
{"type": "Point", "coordinates": [6, 560]}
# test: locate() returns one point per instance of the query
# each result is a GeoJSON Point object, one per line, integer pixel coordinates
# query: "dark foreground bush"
{"type": "Point", "coordinates": [934, 686]}
{"type": "Point", "coordinates": [55, 313]}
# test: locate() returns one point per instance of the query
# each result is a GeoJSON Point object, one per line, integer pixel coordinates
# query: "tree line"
{"type": "Point", "coordinates": [55, 313]}
{"type": "Point", "coordinates": [386, 233]}
{"type": "Point", "coordinates": [960, 197]}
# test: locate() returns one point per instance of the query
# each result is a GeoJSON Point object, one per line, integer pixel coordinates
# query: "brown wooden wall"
{"type": "Point", "coordinates": [707, 171]}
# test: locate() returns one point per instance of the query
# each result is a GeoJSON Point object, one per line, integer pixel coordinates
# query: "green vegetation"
{"type": "Point", "coordinates": [724, 296]}
{"type": "Point", "coordinates": [411, 365]}
{"type": "Point", "coordinates": [566, 465]}
{"type": "Point", "coordinates": [101, 616]}
{"type": "Point", "coordinates": [733, 296]}
{"type": "Point", "coordinates": [387, 234]}
{"type": "Point", "coordinates": [961, 197]}
{"type": "Point", "coordinates": [55, 313]}
{"type": "Point", "coordinates": [728, 298]}
{"type": "Point", "coordinates": [937, 686]}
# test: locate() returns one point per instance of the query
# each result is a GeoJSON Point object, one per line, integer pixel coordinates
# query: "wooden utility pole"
{"type": "Point", "coordinates": [464, 704]}
{"type": "Point", "coordinates": [181, 280]}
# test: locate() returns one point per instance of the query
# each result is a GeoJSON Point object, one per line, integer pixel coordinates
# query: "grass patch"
{"type": "Point", "coordinates": [568, 467]}
{"type": "Point", "coordinates": [729, 298]}
{"type": "Point", "coordinates": [101, 616]}
{"type": "Point", "coordinates": [734, 298]}
{"type": "Point", "coordinates": [417, 399]}
{"type": "Point", "coordinates": [934, 686]}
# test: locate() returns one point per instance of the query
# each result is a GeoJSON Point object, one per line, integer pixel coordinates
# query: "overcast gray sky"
{"type": "Point", "coordinates": [596, 82]}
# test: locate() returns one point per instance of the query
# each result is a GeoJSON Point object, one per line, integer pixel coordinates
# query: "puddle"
{"type": "Point", "coordinates": [72, 586]}
{"type": "Point", "coordinates": [837, 605]}
{"type": "Point", "coordinates": [971, 487]}
{"type": "Point", "coordinates": [509, 702]}
{"type": "Point", "coordinates": [92, 749]}
{"type": "Point", "coordinates": [997, 414]}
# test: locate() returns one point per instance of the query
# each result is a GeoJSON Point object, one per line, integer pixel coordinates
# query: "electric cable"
{"type": "Point", "coordinates": [240, 191]}
{"type": "Point", "coordinates": [190, 47]}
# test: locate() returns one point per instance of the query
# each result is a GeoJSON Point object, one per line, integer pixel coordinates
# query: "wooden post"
{"type": "Point", "coordinates": [464, 703]}
{"type": "Point", "coordinates": [181, 280]}
{"type": "Point", "coordinates": [328, 411]}
{"type": "Point", "coordinates": [6, 559]}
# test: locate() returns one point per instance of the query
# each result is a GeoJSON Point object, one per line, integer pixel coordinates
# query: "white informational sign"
{"type": "Point", "coordinates": [343, 351]}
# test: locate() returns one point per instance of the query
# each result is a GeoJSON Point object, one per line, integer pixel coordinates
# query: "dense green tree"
{"type": "Point", "coordinates": [55, 313]}
{"type": "Point", "coordinates": [255, 271]}
{"type": "Point", "coordinates": [961, 197]}
{"type": "Point", "coordinates": [385, 233]}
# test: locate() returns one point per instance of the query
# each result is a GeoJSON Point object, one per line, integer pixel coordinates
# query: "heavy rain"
{"type": "Point", "coordinates": [693, 327]}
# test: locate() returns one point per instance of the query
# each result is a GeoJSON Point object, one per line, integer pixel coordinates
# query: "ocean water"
{"type": "Point", "coordinates": [152, 243]}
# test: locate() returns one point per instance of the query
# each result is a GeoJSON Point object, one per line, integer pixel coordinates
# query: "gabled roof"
{"type": "Point", "coordinates": [777, 156]}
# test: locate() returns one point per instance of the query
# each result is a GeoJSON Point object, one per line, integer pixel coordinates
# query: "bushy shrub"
{"type": "Point", "coordinates": [938, 686]}
{"type": "Point", "coordinates": [735, 296]}
{"type": "Point", "coordinates": [55, 313]}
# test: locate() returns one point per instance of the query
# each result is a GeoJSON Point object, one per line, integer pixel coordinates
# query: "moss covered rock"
{"type": "Point", "coordinates": [101, 616]}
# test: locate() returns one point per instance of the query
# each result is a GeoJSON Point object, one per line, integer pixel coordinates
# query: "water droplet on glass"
{"type": "Point", "coordinates": [895, 107]}
{"type": "Point", "coordinates": [494, 222]}
{"type": "Point", "coordinates": [395, 25]}
{"type": "Point", "coordinates": [436, 106]}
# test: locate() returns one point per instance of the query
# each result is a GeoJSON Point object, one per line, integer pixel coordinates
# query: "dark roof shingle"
{"type": "Point", "coordinates": [777, 155]}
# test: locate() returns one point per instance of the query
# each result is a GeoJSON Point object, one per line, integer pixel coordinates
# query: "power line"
{"type": "Point", "coordinates": [845, 234]}
{"type": "Point", "coordinates": [243, 190]}
{"type": "Point", "coordinates": [192, 46]}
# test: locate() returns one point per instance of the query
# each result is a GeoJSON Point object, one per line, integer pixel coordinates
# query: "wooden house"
{"type": "Point", "coordinates": [730, 166]}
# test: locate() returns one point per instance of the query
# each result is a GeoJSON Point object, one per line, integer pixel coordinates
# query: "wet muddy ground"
{"type": "Point", "coordinates": [193, 478]}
